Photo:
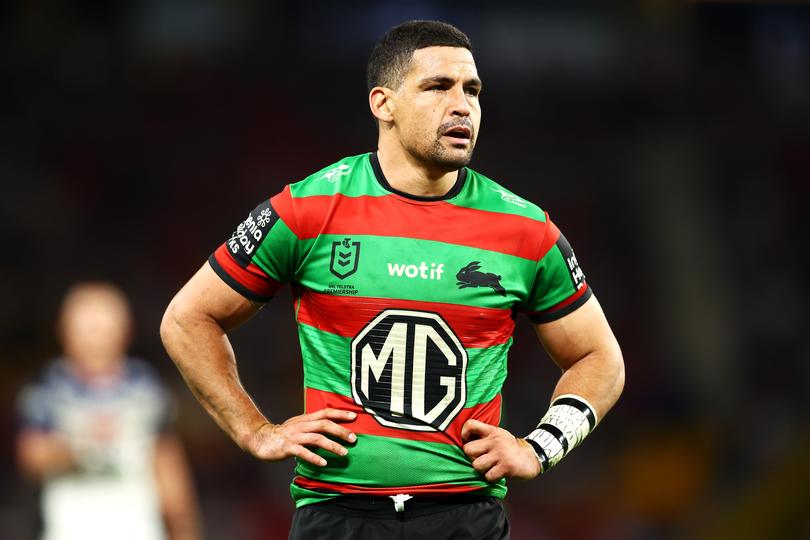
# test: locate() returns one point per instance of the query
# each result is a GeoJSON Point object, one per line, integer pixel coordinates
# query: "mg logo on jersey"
{"type": "Point", "coordinates": [409, 370]}
{"type": "Point", "coordinates": [345, 258]}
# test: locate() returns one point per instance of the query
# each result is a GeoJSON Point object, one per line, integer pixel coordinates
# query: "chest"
{"type": "Point", "coordinates": [124, 416]}
{"type": "Point", "coordinates": [414, 269]}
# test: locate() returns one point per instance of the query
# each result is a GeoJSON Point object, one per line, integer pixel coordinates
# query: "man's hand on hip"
{"type": "Point", "coordinates": [496, 453]}
{"type": "Point", "coordinates": [274, 442]}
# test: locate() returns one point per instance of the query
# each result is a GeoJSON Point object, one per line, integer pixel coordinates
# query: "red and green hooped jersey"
{"type": "Point", "coordinates": [405, 309]}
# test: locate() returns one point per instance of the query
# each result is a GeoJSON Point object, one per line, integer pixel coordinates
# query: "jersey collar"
{"type": "Point", "coordinates": [455, 190]}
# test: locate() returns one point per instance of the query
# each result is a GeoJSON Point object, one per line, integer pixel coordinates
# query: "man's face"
{"type": "Point", "coordinates": [436, 110]}
{"type": "Point", "coordinates": [95, 330]}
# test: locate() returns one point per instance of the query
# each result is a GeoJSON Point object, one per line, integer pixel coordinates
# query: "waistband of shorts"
{"type": "Point", "coordinates": [383, 507]}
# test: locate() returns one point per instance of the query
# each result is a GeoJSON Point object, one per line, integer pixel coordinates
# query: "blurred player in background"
{"type": "Point", "coordinates": [408, 269]}
{"type": "Point", "coordinates": [94, 432]}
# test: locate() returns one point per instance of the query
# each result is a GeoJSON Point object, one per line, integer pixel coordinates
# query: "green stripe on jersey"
{"type": "Point", "coordinates": [483, 193]}
{"type": "Point", "coordinates": [423, 270]}
{"type": "Point", "coordinates": [303, 496]}
{"type": "Point", "coordinates": [321, 351]}
{"type": "Point", "coordinates": [351, 176]}
{"type": "Point", "coordinates": [277, 252]}
{"type": "Point", "coordinates": [556, 284]}
{"type": "Point", "coordinates": [377, 462]}
{"type": "Point", "coordinates": [486, 368]}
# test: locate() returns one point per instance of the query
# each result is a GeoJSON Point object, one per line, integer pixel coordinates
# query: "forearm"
{"type": "Point", "coordinates": [598, 378]}
{"type": "Point", "coordinates": [200, 348]}
{"type": "Point", "coordinates": [584, 347]}
{"type": "Point", "coordinates": [194, 334]}
{"type": "Point", "coordinates": [41, 454]}
{"type": "Point", "coordinates": [584, 394]}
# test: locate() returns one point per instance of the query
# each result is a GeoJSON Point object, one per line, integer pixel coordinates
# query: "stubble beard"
{"type": "Point", "coordinates": [447, 160]}
{"type": "Point", "coordinates": [436, 155]}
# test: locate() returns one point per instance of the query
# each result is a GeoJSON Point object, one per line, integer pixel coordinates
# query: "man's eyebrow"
{"type": "Point", "coordinates": [443, 79]}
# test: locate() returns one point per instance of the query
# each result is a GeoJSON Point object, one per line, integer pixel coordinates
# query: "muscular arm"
{"type": "Point", "coordinates": [194, 332]}
{"type": "Point", "coordinates": [584, 347]}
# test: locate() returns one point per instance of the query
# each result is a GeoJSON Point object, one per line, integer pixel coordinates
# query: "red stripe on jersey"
{"type": "Point", "coordinates": [476, 327]}
{"type": "Point", "coordinates": [423, 489]}
{"type": "Point", "coordinates": [389, 215]}
{"type": "Point", "coordinates": [283, 204]}
{"type": "Point", "coordinates": [489, 413]}
{"type": "Point", "coordinates": [550, 238]}
{"type": "Point", "coordinates": [252, 278]}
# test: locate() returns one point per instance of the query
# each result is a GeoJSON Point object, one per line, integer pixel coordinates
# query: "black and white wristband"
{"type": "Point", "coordinates": [566, 424]}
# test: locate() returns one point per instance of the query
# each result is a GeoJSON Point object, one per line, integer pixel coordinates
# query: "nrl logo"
{"type": "Point", "coordinates": [345, 258]}
{"type": "Point", "coordinates": [469, 276]}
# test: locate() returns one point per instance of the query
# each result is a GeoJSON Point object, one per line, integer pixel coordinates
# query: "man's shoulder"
{"type": "Point", "coordinates": [40, 394]}
{"type": "Point", "coordinates": [484, 193]}
{"type": "Point", "coordinates": [53, 374]}
{"type": "Point", "coordinates": [351, 176]}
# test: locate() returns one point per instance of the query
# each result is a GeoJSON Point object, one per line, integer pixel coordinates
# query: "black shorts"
{"type": "Point", "coordinates": [459, 517]}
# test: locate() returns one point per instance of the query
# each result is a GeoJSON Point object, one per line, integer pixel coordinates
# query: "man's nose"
{"type": "Point", "coordinates": [459, 106]}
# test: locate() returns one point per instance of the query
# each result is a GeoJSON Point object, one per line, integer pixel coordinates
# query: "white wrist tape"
{"type": "Point", "coordinates": [566, 424]}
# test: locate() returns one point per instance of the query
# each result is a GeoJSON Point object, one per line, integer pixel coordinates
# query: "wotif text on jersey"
{"type": "Point", "coordinates": [412, 270]}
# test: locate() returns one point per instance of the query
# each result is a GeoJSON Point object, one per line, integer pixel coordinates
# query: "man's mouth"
{"type": "Point", "coordinates": [460, 133]}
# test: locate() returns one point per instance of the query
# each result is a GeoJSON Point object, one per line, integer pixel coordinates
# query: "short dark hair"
{"type": "Point", "coordinates": [391, 57]}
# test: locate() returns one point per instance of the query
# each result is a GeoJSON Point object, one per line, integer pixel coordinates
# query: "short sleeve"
{"type": "Point", "coordinates": [559, 286]}
{"type": "Point", "coordinates": [260, 254]}
{"type": "Point", "coordinates": [34, 408]}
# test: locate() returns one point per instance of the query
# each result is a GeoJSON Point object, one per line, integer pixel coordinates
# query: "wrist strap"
{"type": "Point", "coordinates": [566, 424]}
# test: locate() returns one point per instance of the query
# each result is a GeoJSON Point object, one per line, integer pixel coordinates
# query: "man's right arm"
{"type": "Point", "coordinates": [41, 453]}
{"type": "Point", "coordinates": [194, 332]}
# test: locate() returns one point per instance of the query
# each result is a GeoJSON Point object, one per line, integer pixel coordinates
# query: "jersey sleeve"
{"type": "Point", "coordinates": [260, 255]}
{"type": "Point", "coordinates": [34, 408]}
{"type": "Point", "coordinates": [559, 286]}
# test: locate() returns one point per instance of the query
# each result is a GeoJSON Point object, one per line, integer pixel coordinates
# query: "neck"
{"type": "Point", "coordinates": [409, 175]}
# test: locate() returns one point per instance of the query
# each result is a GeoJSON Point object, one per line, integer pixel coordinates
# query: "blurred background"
{"type": "Point", "coordinates": [669, 140]}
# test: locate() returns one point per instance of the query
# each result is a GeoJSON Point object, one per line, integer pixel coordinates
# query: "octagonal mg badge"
{"type": "Point", "coordinates": [409, 370]}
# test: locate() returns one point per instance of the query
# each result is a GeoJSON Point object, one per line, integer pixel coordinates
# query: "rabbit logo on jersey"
{"type": "Point", "coordinates": [250, 233]}
{"type": "Point", "coordinates": [469, 276]}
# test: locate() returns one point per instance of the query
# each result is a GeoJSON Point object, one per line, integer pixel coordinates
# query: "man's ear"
{"type": "Point", "coordinates": [381, 104]}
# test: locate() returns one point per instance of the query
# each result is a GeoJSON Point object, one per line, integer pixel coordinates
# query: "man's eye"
{"type": "Point", "coordinates": [436, 87]}
{"type": "Point", "coordinates": [473, 91]}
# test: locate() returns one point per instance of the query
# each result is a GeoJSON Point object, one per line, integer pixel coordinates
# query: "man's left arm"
{"type": "Point", "coordinates": [583, 346]}
{"type": "Point", "coordinates": [177, 496]}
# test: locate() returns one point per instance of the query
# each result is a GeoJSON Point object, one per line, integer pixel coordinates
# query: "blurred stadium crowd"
{"type": "Point", "coordinates": [669, 140]}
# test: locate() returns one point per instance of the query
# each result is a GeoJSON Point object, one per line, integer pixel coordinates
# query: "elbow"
{"type": "Point", "coordinates": [171, 326]}
{"type": "Point", "coordinates": [618, 385]}
{"type": "Point", "coordinates": [168, 324]}
{"type": "Point", "coordinates": [620, 379]}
